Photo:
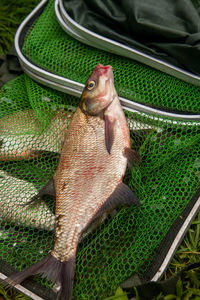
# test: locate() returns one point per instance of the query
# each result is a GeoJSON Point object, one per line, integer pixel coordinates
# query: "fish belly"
{"type": "Point", "coordinates": [86, 176]}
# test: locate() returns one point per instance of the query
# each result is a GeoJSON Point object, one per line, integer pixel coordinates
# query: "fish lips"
{"type": "Point", "coordinates": [101, 70]}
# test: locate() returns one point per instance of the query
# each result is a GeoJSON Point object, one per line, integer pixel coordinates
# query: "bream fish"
{"type": "Point", "coordinates": [13, 206]}
{"type": "Point", "coordinates": [21, 137]}
{"type": "Point", "coordinates": [88, 179]}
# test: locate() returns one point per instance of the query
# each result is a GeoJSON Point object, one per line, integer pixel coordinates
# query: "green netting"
{"type": "Point", "coordinates": [49, 47]}
{"type": "Point", "coordinates": [32, 124]}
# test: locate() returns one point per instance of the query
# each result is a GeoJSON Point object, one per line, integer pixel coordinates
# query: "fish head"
{"type": "Point", "coordinates": [99, 91]}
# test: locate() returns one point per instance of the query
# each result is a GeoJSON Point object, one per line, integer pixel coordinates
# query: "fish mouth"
{"type": "Point", "coordinates": [104, 70]}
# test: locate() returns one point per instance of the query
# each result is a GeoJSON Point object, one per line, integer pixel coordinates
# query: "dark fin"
{"type": "Point", "coordinates": [132, 156]}
{"type": "Point", "coordinates": [67, 279]}
{"type": "Point", "coordinates": [109, 132]}
{"type": "Point", "coordinates": [50, 267]}
{"type": "Point", "coordinates": [94, 224]}
{"type": "Point", "coordinates": [122, 195]}
{"type": "Point", "coordinates": [48, 189]}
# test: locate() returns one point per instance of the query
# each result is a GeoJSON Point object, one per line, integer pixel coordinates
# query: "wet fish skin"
{"type": "Point", "coordinates": [88, 180]}
{"type": "Point", "coordinates": [36, 216]}
{"type": "Point", "coordinates": [86, 168]}
{"type": "Point", "coordinates": [21, 137]}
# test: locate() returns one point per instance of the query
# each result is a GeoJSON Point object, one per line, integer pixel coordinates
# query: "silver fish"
{"type": "Point", "coordinates": [38, 215]}
{"type": "Point", "coordinates": [88, 180]}
{"type": "Point", "coordinates": [21, 137]}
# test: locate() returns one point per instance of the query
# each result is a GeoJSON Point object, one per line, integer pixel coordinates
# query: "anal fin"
{"type": "Point", "coordinates": [122, 195]}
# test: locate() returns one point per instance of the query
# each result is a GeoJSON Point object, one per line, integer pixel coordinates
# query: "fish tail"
{"type": "Point", "coordinates": [49, 267]}
{"type": "Point", "coordinates": [53, 269]}
{"type": "Point", "coordinates": [67, 279]}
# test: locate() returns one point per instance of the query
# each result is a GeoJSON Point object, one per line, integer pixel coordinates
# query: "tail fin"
{"type": "Point", "coordinates": [54, 270]}
{"type": "Point", "coordinates": [67, 279]}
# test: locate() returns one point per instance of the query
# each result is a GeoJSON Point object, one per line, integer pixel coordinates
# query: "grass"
{"type": "Point", "coordinates": [187, 253]}
{"type": "Point", "coordinates": [186, 289]}
{"type": "Point", "coordinates": [12, 13]}
{"type": "Point", "coordinates": [11, 294]}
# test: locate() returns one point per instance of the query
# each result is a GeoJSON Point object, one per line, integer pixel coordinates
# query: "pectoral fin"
{"type": "Point", "coordinates": [48, 189]}
{"type": "Point", "coordinates": [109, 132]}
{"type": "Point", "coordinates": [132, 156]}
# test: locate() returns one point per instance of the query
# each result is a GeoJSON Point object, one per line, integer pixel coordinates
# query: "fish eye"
{"type": "Point", "coordinates": [91, 85]}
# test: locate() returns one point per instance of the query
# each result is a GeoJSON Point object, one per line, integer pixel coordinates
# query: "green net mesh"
{"type": "Point", "coordinates": [48, 46]}
{"type": "Point", "coordinates": [33, 119]}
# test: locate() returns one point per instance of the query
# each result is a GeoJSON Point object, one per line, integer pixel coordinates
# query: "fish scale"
{"type": "Point", "coordinates": [83, 176]}
{"type": "Point", "coordinates": [88, 179]}
{"type": "Point", "coordinates": [85, 164]}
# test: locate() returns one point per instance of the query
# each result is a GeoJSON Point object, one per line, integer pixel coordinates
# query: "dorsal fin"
{"type": "Point", "coordinates": [133, 157]}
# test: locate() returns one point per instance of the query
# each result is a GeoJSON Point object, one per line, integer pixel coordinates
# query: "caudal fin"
{"type": "Point", "coordinates": [51, 268]}
{"type": "Point", "coordinates": [67, 279]}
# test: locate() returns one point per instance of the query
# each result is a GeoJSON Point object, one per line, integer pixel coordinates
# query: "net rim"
{"type": "Point", "coordinates": [91, 38]}
{"type": "Point", "coordinates": [149, 112]}
{"type": "Point", "coordinates": [75, 88]}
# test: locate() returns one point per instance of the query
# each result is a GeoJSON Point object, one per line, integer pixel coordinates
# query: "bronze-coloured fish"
{"type": "Point", "coordinates": [21, 137]}
{"type": "Point", "coordinates": [88, 180]}
{"type": "Point", "coordinates": [13, 206]}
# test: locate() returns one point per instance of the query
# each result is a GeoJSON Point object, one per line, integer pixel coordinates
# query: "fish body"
{"type": "Point", "coordinates": [21, 137]}
{"type": "Point", "coordinates": [88, 179]}
{"type": "Point", "coordinates": [12, 202]}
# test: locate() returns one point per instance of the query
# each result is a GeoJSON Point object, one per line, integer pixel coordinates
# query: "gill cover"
{"type": "Point", "coordinates": [97, 94]}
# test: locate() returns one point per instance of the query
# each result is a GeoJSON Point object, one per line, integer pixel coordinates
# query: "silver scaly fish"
{"type": "Point", "coordinates": [13, 206]}
{"type": "Point", "coordinates": [20, 136]}
{"type": "Point", "coordinates": [88, 180]}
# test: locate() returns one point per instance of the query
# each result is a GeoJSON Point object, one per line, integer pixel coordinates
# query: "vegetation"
{"type": "Point", "coordinates": [12, 14]}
